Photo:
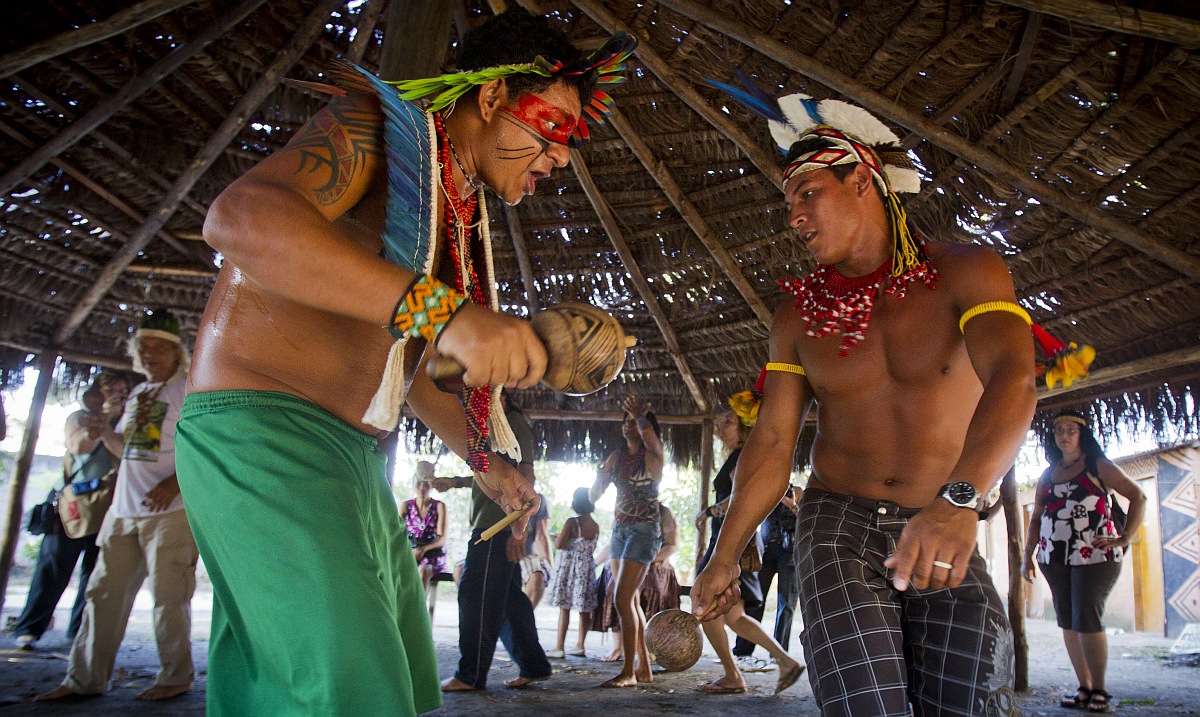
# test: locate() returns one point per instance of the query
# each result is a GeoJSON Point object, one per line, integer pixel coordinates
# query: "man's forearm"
{"type": "Point", "coordinates": [997, 431]}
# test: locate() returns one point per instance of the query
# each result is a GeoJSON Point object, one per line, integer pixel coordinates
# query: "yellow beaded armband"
{"type": "Point", "coordinates": [786, 367]}
{"type": "Point", "coordinates": [990, 306]}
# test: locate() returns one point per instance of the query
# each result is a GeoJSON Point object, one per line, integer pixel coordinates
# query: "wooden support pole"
{"type": "Point", "coordinates": [609, 220]}
{"type": "Point", "coordinates": [766, 161]}
{"type": "Point", "coordinates": [691, 215]}
{"type": "Point", "coordinates": [20, 476]}
{"type": "Point", "coordinates": [69, 40]}
{"type": "Point", "coordinates": [914, 121]}
{"type": "Point", "coordinates": [364, 31]}
{"type": "Point", "coordinates": [1014, 520]}
{"type": "Point", "coordinates": [113, 104]}
{"type": "Point", "coordinates": [706, 470]}
{"type": "Point", "coordinates": [1182, 31]}
{"type": "Point", "coordinates": [521, 249]}
{"type": "Point", "coordinates": [239, 115]}
{"type": "Point", "coordinates": [416, 38]}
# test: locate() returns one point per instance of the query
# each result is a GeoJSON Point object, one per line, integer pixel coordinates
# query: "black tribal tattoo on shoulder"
{"type": "Point", "coordinates": [339, 139]}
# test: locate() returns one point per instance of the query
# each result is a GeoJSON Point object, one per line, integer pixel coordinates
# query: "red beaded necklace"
{"type": "Point", "coordinates": [476, 400]}
{"type": "Point", "coordinates": [830, 302]}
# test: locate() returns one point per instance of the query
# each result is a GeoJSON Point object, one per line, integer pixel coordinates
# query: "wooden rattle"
{"type": "Point", "coordinates": [585, 346]}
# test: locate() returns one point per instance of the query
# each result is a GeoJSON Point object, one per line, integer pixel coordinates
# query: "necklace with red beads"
{"type": "Point", "coordinates": [476, 400]}
{"type": "Point", "coordinates": [830, 302]}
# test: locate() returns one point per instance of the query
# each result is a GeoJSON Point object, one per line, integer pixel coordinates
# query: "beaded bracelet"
{"type": "Point", "coordinates": [424, 309]}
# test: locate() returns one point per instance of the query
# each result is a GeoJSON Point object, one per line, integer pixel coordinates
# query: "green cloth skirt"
{"type": "Point", "coordinates": [318, 608]}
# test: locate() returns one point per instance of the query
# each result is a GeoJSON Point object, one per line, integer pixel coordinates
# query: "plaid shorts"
{"type": "Point", "coordinates": [872, 650]}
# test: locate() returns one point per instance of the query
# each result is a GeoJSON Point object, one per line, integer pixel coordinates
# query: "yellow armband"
{"type": "Point", "coordinates": [989, 307]}
{"type": "Point", "coordinates": [786, 367]}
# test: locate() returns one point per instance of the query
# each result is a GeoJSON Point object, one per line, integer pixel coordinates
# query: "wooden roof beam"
{"type": "Point", "coordinates": [137, 168]}
{"type": "Point", "coordinates": [984, 20]}
{"type": "Point", "coordinates": [364, 31]}
{"type": "Point", "coordinates": [1182, 31]}
{"type": "Point", "coordinates": [1028, 41]}
{"type": "Point", "coordinates": [765, 160]}
{"type": "Point", "coordinates": [142, 82]}
{"type": "Point", "coordinates": [308, 30]}
{"type": "Point", "coordinates": [1132, 369]}
{"type": "Point", "coordinates": [609, 220]}
{"type": "Point", "coordinates": [76, 38]}
{"type": "Point", "coordinates": [84, 179]}
{"type": "Point", "coordinates": [521, 249]}
{"type": "Point", "coordinates": [1181, 261]}
{"type": "Point", "coordinates": [554, 414]}
{"type": "Point", "coordinates": [691, 215]}
{"type": "Point", "coordinates": [1069, 73]}
{"type": "Point", "coordinates": [114, 362]}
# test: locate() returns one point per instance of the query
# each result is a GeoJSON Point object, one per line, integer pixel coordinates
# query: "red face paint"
{"type": "Point", "coordinates": [548, 121]}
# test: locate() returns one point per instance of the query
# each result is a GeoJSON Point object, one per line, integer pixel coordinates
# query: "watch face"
{"type": "Point", "coordinates": [961, 493]}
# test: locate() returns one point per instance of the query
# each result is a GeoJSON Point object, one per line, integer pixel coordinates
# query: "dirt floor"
{"type": "Point", "coordinates": [1143, 679]}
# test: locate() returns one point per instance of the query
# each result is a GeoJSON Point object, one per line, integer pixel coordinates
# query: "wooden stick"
{"type": "Point", "coordinates": [504, 522]}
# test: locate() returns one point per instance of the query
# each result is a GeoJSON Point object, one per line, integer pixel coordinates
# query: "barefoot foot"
{"type": "Point", "coordinates": [522, 682]}
{"type": "Point", "coordinates": [614, 656]}
{"type": "Point", "coordinates": [163, 692]}
{"type": "Point", "coordinates": [789, 672]}
{"type": "Point", "coordinates": [59, 693]}
{"type": "Point", "coordinates": [621, 681]}
{"type": "Point", "coordinates": [453, 684]}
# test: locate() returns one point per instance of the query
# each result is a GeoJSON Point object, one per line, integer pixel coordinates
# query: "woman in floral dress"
{"type": "Point", "coordinates": [573, 586]}
{"type": "Point", "coordinates": [1079, 547]}
{"type": "Point", "coordinates": [425, 519]}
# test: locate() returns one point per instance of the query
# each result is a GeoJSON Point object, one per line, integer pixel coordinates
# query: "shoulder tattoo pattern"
{"type": "Point", "coordinates": [339, 139]}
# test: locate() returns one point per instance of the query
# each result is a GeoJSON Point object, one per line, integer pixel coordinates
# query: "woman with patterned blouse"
{"type": "Point", "coordinates": [425, 519]}
{"type": "Point", "coordinates": [1079, 547]}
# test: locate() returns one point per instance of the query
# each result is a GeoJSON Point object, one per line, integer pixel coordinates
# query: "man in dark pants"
{"type": "Point", "coordinates": [491, 604]}
{"type": "Point", "coordinates": [87, 458]}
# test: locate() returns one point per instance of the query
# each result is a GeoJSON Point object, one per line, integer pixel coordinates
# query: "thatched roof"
{"type": "Point", "coordinates": [1062, 133]}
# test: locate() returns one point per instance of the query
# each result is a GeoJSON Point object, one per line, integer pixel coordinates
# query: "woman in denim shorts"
{"type": "Point", "coordinates": [636, 469]}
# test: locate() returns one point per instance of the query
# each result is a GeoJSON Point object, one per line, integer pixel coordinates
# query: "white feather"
{"type": "Point", "coordinates": [903, 181]}
{"type": "Point", "coordinates": [856, 121]}
{"type": "Point", "coordinates": [799, 122]}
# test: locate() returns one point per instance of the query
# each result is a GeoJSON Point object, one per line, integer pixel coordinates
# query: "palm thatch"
{"type": "Point", "coordinates": [1062, 133]}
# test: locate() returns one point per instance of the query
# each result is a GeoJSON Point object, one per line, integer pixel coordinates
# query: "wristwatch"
{"type": "Point", "coordinates": [962, 494]}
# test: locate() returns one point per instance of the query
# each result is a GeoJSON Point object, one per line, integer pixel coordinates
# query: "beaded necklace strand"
{"type": "Point", "coordinates": [830, 302]}
{"type": "Point", "coordinates": [476, 400]}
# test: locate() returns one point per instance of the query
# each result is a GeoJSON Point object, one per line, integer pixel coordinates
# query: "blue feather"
{"type": "Point", "coordinates": [758, 102]}
{"type": "Point", "coordinates": [411, 195]}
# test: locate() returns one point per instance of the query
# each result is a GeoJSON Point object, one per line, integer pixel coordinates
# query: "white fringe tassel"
{"type": "Point", "coordinates": [499, 432]}
{"type": "Point", "coordinates": [384, 411]}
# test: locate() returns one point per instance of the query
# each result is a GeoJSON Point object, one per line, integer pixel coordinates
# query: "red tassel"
{"type": "Point", "coordinates": [1050, 345]}
{"type": "Point", "coordinates": [762, 379]}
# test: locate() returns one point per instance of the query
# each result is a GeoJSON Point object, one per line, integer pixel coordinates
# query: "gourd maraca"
{"type": "Point", "coordinates": [585, 347]}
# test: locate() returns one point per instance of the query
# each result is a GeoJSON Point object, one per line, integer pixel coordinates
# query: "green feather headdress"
{"type": "Point", "coordinates": [607, 62]}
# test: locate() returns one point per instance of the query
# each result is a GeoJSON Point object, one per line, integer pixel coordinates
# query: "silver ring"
{"type": "Point", "coordinates": [940, 564]}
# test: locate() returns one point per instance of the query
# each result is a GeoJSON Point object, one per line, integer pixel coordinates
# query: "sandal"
{"type": "Point", "coordinates": [716, 687]}
{"type": "Point", "coordinates": [1100, 701]}
{"type": "Point", "coordinates": [1078, 700]}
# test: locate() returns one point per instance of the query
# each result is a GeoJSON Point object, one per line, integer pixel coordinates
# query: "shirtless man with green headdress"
{"type": "Point", "coordinates": [314, 337]}
{"type": "Point", "coordinates": [921, 366]}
